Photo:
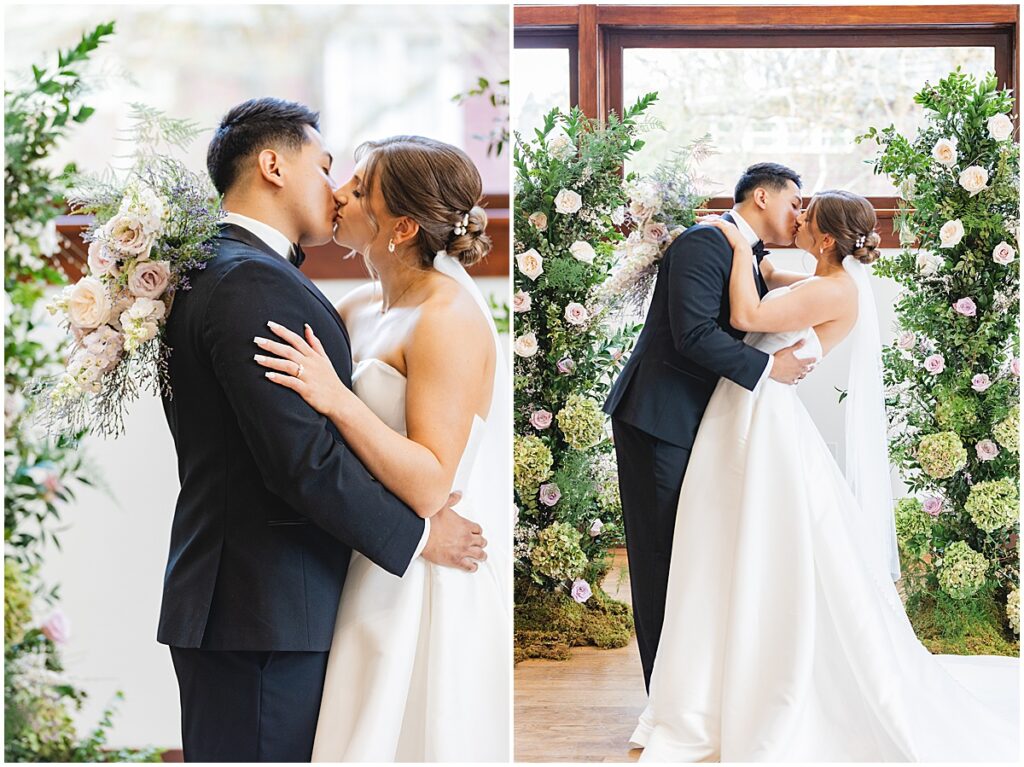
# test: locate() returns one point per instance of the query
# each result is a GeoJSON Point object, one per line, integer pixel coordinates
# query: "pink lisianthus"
{"type": "Point", "coordinates": [57, 627]}
{"type": "Point", "coordinates": [581, 590]}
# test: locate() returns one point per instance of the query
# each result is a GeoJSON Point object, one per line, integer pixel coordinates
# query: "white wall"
{"type": "Point", "coordinates": [112, 565]}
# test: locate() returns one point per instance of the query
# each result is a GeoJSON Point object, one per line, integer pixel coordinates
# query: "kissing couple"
{"type": "Point", "coordinates": [768, 621]}
{"type": "Point", "coordinates": [322, 599]}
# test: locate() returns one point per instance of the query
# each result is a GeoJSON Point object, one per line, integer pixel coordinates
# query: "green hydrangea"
{"type": "Point", "coordinates": [941, 455]}
{"type": "Point", "coordinates": [1007, 431]}
{"type": "Point", "coordinates": [993, 505]}
{"type": "Point", "coordinates": [1013, 610]}
{"type": "Point", "coordinates": [581, 421]}
{"type": "Point", "coordinates": [963, 570]}
{"type": "Point", "coordinates": [606, 481]}
{"type": "Point", "coordinates": [913, 527]}
{"type": "Point", "coordinates": [17, 603]}
{"type": "Point", "coordinates": [956, 413]}
{"type": "Point", "coordinates": [557, 553]}
{"type": "Point", "coordinates": [532, 463]}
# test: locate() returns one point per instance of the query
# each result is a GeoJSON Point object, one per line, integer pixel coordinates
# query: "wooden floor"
{"type": "Point", "coordinates": [583, 709]}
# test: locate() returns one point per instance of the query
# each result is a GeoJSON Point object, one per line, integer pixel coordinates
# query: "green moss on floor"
{"type": "Point", "coordinates": [549, 624]}
{"type": "Point", "coordinates": [975, 626]}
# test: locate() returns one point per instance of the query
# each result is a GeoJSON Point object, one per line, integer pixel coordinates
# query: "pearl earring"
{"type": "Point", "coordinates": [391, 246]}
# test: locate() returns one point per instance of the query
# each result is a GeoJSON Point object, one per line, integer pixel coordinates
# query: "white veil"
{"type": "Point", "coordinates": [490, 483]}
{"type": "Point", "coordinates": [867, 446]}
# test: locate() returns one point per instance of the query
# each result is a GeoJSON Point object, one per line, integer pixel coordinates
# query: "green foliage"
{"type": "Point", "coordinates": [496, 94]}
{"type": "Point", "coordinates": [39, 472]}
{"type": "Point", "coordinates": [938, 418]}
{"type": "Point", "coordinates": [575, 361]}
{"type": "Point", "coordinates": [548, 623]}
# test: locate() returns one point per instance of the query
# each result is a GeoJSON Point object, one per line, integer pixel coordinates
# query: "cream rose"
{"type": "Point", "coordinates": [149, 279]}
{"type": "Point", "coordinates": [974, 179]}
{"type": "Point", "coordinates": [521, 301]}
{"type": "Point", "coordinates": [944, 152]}
{"type": "Point", "coordinates": [576, 314]}
{"type": "Point", "coordinates": [526, 345]}
{"type": "Point", "coordinates": [126, 235]}
{"type": "Point", "coordinates": [89, 304]}
{"type": "Point", "coordinates": [951, 233]}
{"type": "Point", "coordinates": [1000, 127]}
{"type": "Point", "coordinates": [531, 264]}
{"type": "Point", "coordinates": [101, 260]}
{"type": "Point", "coordinates": [582, 251]}
{"type": "Point", "coordinates": [538, 221]}
{"type": "Point", "coordinates": [928, 263]}
{"type": "Point", "coordinates": [561, 148]}
{"type": "Point", "coordinates": [568, 202]}
{"type": "Point", "coordinates": [1003, 254]}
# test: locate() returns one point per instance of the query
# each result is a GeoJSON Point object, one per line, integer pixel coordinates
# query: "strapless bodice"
{"type": "Point", "coordinates": [382, 388]}
{"type": "Point", "coordinates": [772, 342]}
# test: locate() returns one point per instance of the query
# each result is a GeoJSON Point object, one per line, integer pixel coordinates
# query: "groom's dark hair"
{"type": "Point", "coordinates": [251, 127]}
{"type": "Point", "coordinates": [770, 175]}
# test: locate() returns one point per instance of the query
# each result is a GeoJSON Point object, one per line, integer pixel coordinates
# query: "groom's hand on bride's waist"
{"type": "Point", "coordinates": [787, 368]}
{"type": "Point", "coordinates": [454, 541]}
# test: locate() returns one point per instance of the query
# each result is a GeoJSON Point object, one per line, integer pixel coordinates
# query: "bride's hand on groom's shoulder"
{"type": "Point", "coordinates": [302, 365]}
{"type": "Point", "coordinates": [455, 541]}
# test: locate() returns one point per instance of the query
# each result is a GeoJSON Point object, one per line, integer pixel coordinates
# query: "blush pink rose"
{"type": "Point", "coordinates": [935, 364]}
{"type": "Point", "coordinates": [521, 302]}
{"type": "Point", "coordinates": [986, 450]}
{"type": "Point", "coordinates": [576, 314]}
{"type": "Point", "coordinates": [933, 505]}
{"type": "Point", "coordinates": [966, 307]}
{"type": "Point", "coordinates": [906, 340]}
{"type": "Point", "coordinates": [1015, 366]}
{"type": "Point", "coordinates": [566, 366]}
{"type": "Point", "coordinates": [550, 494]}
{"type": "Point", "coordinates": [101, 260]}
{"type": "Point", "coordinates": [149, 279]}
{"type": "Point", "coordinates": [540, 419]}
{"type": "Point", "coordinates": [980, 382]}
{"type": "Point", "coordinates": [57, 628]}
{"type": "Point", "coordinates": [1003, 254]}
{"type": "Point", "coordinates": [581, 590]}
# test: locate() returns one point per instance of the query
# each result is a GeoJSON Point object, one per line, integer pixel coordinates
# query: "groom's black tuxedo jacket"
{"type": "Point", "coordinates": [686, 343]}
{"type": "Point", "coordinates": [272, 500]}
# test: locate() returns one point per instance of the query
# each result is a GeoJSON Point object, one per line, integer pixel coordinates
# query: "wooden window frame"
{"type": "Point", "coordinates": [603, 32]}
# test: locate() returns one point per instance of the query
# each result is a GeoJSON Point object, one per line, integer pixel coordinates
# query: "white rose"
{"type": "Point", "coordinates": [582, 251]}
{"type": "Point", "coordinates": [1000, 127]}
{"type": "Point", "coordinates": [576, 314]}
{"type": "Point", "coordinates": [928, 264]}
{"type": "Point", "coordinates": [974, 179]}
{"type": "Point", "coordinates": [951, 233]}
{"type": "Point", "coordinates": [531, 264]}
{"type": "Point", "coordinates": [618, 216]}
{"type": "Point", "coordinates": [89, 304]}
{"type": "Point", "coordinates": [944, 152]}
{"type": "Point", "coordinates": [561, 148]}
{"type": "Point", "coordinates": [596, 527]}
{"type": "Point", "coordinates": [521, 301]}
{"type": "Point", "coordinates": [526, 345]}
{"type": "Point", "coordinates": [568, 202]}
{"type": "Point", "coordinates": [538, 221]}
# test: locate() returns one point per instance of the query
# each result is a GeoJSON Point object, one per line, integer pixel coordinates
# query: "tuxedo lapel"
{"type": "Point", "coordinates": [240, 234]}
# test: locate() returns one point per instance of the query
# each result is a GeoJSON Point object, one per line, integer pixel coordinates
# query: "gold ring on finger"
{"type": "Point", "coordinates": [298, 373]}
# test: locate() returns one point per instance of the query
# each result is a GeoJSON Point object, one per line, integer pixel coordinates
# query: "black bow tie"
{"type": "Point", "coordinates": [759, 251]}
{"type": "Point", "coordinates": [296, 256]}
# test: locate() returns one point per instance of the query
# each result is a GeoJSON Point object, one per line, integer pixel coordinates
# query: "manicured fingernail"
{"type": "Point", "coordinates": [271, 324]}
{"type": "Point", "coordinates": [259, 341]}
{"type": "Point", "coordinates": [258, 357]}
{"type": "Point", "coordinates": [268, 374]}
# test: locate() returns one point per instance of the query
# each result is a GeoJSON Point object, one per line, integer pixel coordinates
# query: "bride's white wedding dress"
{"type": "Point", "coordinates": [420, 666]}
{"type": "Point", "coordinates": [780, 642]}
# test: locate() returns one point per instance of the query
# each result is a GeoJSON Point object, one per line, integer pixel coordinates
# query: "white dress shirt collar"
{"type": "Point", "coordinates": [744, 227]}
{"type": "Point", "coordinates": [271, 236]}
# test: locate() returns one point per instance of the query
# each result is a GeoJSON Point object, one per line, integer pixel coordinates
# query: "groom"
{"type": "Point", "coordinates": [686, 345]}
{"type": "Point", "coordinates": [272, 500]}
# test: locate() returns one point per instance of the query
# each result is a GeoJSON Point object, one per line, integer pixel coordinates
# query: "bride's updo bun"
{"type": "Point", "coordinates": [851, 221]}
{"type": "Point", "coordinates": [437, 186]}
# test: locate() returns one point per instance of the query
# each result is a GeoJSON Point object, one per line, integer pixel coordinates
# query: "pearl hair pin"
{"type": "Point", "coordinates": [461, 227]}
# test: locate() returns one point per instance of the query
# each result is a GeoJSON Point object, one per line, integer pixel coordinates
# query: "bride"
{"type": "Point", "coordinates": [419, 666]}
{"type": "Point", "coordinates": [784, 636]}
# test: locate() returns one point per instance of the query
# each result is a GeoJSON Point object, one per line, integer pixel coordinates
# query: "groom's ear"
{"type": "Point", "coordinates": [269, 163]}
{"type": "Point", "coordinates": [405, 229]}
{"type": "Point", "coordinates": [760, 197]}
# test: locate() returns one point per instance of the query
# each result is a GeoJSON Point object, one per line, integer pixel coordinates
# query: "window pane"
{"type": "Point", "coordinates": [540, 84]}
{"type": "Point", "coordinates": [798, 106]}
{"type": "Point", "coordinates": [371, 70]}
